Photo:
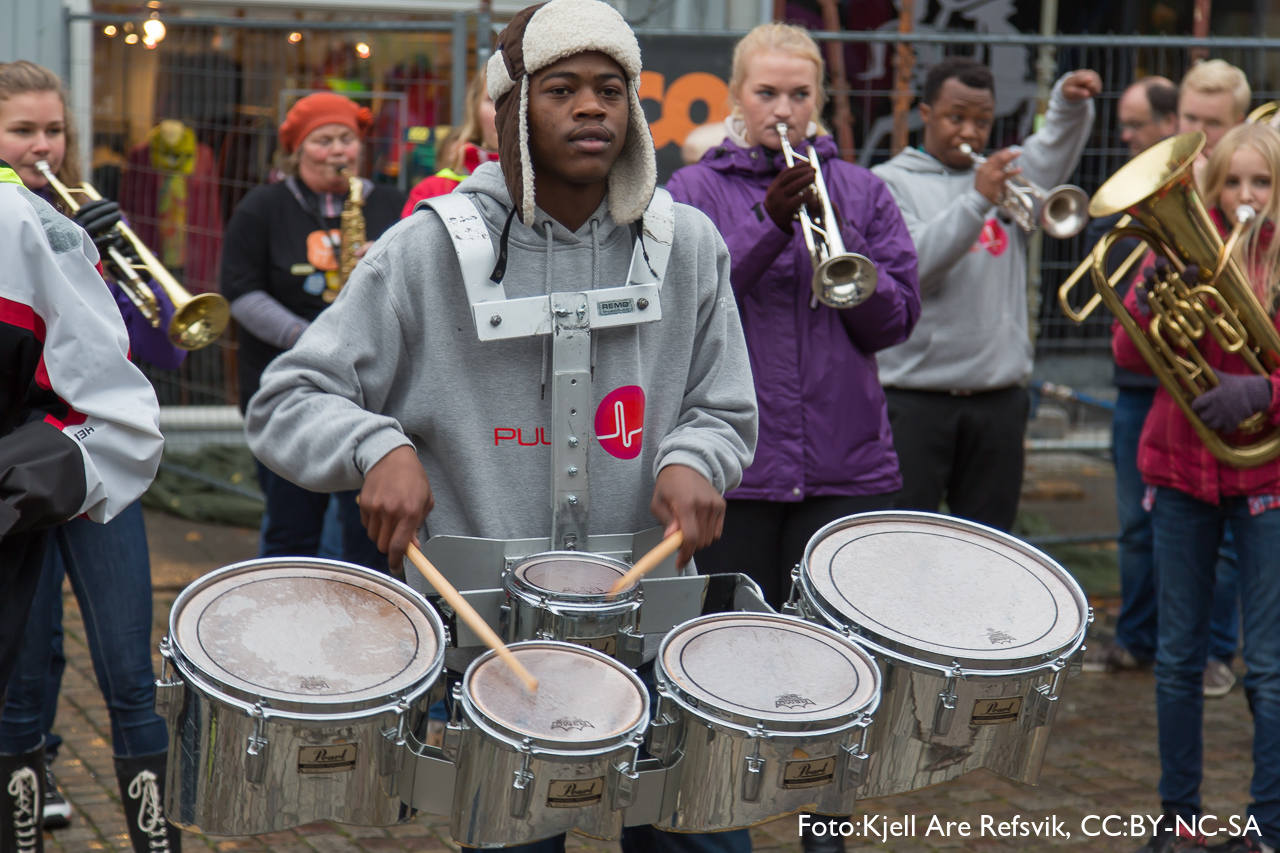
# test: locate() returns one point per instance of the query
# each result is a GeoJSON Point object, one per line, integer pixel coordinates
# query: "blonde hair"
{"type": "Point", "coordinates": [1216, 76]}
{"type": "Point", "coordinates": [452, 151]}
{"type": "Point", "coordinates": [778, 38]}
{"type": "Point", "coordinates": [21, 77]}
{"type": "Point", "coordinates": [1262, 262]}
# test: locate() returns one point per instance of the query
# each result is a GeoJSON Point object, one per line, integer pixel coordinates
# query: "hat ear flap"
{"type": "Point", "coordinates": [526, 202]}
{"type": "Point", "coordinates": [635, 173]}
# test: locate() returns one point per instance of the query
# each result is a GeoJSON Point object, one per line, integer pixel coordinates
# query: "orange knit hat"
{"type": "Point", "coordinates": [319, 109]}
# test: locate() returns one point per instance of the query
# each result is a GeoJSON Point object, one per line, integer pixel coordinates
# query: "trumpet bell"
{"type": "Point", "coordinates": [199, 321]}
{"type": "Point", "coordinates": [1065, 213]}
{"type": "Point", "coordinates": [844, 281]}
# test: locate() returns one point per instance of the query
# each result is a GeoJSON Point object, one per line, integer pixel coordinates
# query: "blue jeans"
{"type": "Point", "coordinates": [647, 839]}
{"type": "Point", "coordinates": [1137, 625]}
{"type": "Point", "coordinates": [295, 518]}
{"type": "Point", "coordinates": [1187, 535]}
{"type": "Point", "coordinates": [110, 572]}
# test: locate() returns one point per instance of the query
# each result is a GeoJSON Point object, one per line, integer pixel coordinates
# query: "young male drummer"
{"type": "Point", "coordinates": [391, 389]}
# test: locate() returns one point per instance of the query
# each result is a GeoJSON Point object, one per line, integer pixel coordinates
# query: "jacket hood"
{"type": "Point", "coordinates": [731, 158]}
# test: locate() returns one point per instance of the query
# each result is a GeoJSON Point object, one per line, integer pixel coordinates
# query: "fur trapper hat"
{"type": "Point", "coordinates": [539, 36]}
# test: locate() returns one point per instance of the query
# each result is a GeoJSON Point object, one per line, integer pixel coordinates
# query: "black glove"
{"type": "Point", "coordinates": [99, 217]}
{"type": "Point", "coordinates": [788, 192]}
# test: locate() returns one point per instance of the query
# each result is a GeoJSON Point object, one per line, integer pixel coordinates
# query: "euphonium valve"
{"type": "Point", "coordinates": [841, 279]}
{"type": "Point", "coordinates": [197, 320]}
{"type": "Point", "coordinates": [1062, 211]}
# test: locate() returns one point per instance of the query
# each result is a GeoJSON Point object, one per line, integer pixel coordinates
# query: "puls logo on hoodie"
{"type": "Point", "coordinates": [620, 422]}
{"type": "Point", "coordinates": [993, 238]}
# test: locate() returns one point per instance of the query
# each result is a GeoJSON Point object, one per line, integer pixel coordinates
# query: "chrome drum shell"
{"type": "Point", "coordinates": [257, 748]}
{"type": "Point", "coordinates": [532, 766]}
{"type": "Point", "coordinates": [738, 761]}
{"type": "Point", "coordinates": [562, 595]}
{"type": "Point", "coordinates": [975, 632]}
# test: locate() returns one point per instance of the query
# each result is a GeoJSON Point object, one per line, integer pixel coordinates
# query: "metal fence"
{"type": "Point", "coordinates": [228, 80]}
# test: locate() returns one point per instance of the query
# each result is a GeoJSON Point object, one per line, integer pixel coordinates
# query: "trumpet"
{"type": "Point", "coordinates": [841, 279]}
{"type": "Point", "coordinates": [1061, 211]}
{"type": "Point", "coordinates": [197, 320]}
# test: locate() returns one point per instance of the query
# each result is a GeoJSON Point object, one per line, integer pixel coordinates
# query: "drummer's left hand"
{"type": "Point", "coordinates": [1082, 84]}
{"type": "Point", "coordinates": [685, 500]}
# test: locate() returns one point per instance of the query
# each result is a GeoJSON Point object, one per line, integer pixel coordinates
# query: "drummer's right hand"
{"type": "Point", "coordinates": [394, 502]}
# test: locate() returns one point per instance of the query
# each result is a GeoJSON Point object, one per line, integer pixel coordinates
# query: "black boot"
{"type": "Point", "coordinates": [22, 801]}
{"type": "Point", "coordinates": [142, 791]}
{"type": "Point", "coordinates": [828, 841]}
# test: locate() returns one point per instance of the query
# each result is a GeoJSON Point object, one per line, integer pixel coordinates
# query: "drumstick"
{"type": "Point", "coordinates": [648, 562]}
{"type": "Point", "coordinates": [469, 615]}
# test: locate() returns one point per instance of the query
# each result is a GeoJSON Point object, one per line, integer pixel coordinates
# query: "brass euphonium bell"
{"type": "Point", "coordinates": [841, 279]}
{"type": "Point", "coordinates": [197, 320]}
{"type": "Point", "coordinates": [1157, 190]}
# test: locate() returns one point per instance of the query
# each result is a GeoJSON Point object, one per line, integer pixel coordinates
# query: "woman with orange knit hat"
{"type": "Point", "coordinates": [280, 270]}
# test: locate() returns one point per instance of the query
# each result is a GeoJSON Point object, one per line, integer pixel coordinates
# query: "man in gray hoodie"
{"type": "Point", "coordinates": [956, 389]}
{"type": "Point", "coordinates": [392, 390]}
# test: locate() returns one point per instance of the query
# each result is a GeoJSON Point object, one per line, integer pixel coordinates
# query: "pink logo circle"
{"type": "Point", "coordinates": [993, 238]}
{"type": "Point", "coordinates": [620, 421]}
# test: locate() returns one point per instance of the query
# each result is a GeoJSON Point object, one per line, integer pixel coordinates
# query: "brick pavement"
{"type": "Point", "coordinates": [1102, 760]}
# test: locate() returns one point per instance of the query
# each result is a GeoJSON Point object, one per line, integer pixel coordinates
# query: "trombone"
{"type": "Point", "coordinates": [841, 279]}
{"type": "Point", "coordinates": [1060, 211]}
{"type": "Point", "coordinates": [197, 320]}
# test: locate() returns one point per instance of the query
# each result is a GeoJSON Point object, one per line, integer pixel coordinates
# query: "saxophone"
{"type": "Point", "coordinates": [353, 232]}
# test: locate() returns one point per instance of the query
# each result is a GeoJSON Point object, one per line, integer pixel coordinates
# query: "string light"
{"type": "Point", "coordinates": [109, 30]}
{"type": "Point", "coordinates": [362, 50]}
{"type": "Point", "coordinates": [295, 37]}
{"type": "Point", "coordinates": [154, 29]}
{"type": "Point", "coordinates": [132, 38]}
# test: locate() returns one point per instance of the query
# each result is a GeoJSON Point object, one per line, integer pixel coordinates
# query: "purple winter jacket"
{"type": "Point", "coordinates": [824, 424]}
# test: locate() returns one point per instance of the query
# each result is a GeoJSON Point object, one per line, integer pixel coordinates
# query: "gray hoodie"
{"type": "Point", "coordinates": [973, 333]}
{"type": "Point", "coordinates": [396, 361]}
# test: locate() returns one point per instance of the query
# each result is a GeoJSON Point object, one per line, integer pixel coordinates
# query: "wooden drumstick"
{"type": "Point", "coordinates": [469, 615]}
{"type": "Point", "coordinates": [648, 562]}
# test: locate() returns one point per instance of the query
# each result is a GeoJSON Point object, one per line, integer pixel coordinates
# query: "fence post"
{"type": "Point", "coordinates": [484, 34]}
{"type": "Point", "coordinates": [458, 86]}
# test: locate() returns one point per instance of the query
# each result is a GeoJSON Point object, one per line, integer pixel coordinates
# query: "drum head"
{"type": "Point", "coordinates": [582, 698]}
{"type": "Point", "coordinates": [308, 635]}
{"type": "Point", "coordinates": [564, 573]}
{"type": "Point", "coordinates": [773, 668]}
{"type": "Point", "coordinates": [942, 590]}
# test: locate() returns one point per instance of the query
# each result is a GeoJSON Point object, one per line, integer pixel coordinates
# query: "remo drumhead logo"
{"type": "Point", "coordinates": [620, 421]}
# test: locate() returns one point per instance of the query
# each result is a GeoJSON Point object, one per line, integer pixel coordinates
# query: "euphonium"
{"type": "Point", "coordinates": [1060, 211]}
{"type": "Point", "coordinates": [197, 320]}
{"type": "Point", "coordinates": [353, 231]}
{"type": "Point", "coordinates": [840, 279]}
{"type": "Point", "coordinates": [1268, 113]}
{"type": "Point", "coordinates": [1157, 189]}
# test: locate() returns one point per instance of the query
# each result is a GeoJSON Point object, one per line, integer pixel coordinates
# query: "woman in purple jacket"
{"type": "Point", "coordinates": [825, 450]}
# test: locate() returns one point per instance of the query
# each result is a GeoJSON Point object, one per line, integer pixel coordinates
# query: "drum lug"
{"type": "Point", "coordinates": [453, 728]}
{"type": "Point", "coordinates": [391, 757]}
{"type": "Point", "coordinates": [522, 785]}
{"type": "Point", "coordinates": [753, 775]}
{"type": "Point", "coordinates": [504, 622]}
{"type": "Point", "coordinates": [852, 771]}
{"type": "Point", "coordinates": [791, 607]}
{"type": "Point", "coordinates": [255, 758]}
{"type": "Point", "coordinates": [626, 779]}
{"type": "Point", "coordinates": [945, 712]}
{"type": "Point", "coordinates": [169, 689]}
{"type": "Point", "coordinates": [630, 648]}
{"type": "Point", "coordinates": [663, 735]}
{"type": "Point", "coordinates": [1044, 699]}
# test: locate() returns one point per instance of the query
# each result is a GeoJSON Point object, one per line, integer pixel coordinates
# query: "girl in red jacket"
{"type": "Point", "coordinates": [1191, 495]}
{"type": "Point", "coordinates": [471, 143]}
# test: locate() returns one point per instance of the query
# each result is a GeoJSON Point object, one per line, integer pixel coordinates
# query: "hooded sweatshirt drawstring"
{"type": "Point", "coordinates": [595, 281]}
{"type": "Point", "coordinates": [546, 286]}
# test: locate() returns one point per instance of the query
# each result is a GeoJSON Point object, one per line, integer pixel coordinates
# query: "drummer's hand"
{"type": "Point", "coordinates": [394, 502]}
{"type": "Point", "coordinates": [685, 500]}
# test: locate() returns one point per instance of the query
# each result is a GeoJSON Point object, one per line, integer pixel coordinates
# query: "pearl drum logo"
{"type": "Point", "coordinates": [620, 422]}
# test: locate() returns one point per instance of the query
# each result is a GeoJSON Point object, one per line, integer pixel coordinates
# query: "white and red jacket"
{"type": "Point", "coordinates": [79, 424]}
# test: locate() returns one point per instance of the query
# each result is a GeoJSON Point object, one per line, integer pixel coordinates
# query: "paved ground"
{"type": "Point", "coordinates": [1102, 760]}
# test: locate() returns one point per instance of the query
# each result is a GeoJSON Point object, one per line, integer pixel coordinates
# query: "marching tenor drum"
{"type": "Point", "coordinates": [562, 595]}
{"type": "Point", "coordinates": [976, 633]}
{"type": "Point", "coordinates": [759, 716]}
{"type": "Point", "coordinates": [531, 765]}
{"type": "Point", "coordinates": [289, 687]}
